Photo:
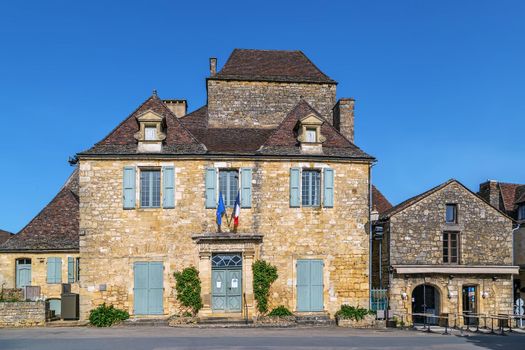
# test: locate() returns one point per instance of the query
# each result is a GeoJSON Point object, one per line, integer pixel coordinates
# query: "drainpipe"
{"type": "Point", "coordinates": [513, 262]}
{"type": "Point", "coordinates": [370, 238]}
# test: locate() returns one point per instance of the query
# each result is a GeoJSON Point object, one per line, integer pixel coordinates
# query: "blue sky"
{"type": "Point", "coordinates": [439, 85]}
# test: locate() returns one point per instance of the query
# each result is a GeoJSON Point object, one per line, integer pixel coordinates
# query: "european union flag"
{"type": "Point", "coordinates": [221, 209]}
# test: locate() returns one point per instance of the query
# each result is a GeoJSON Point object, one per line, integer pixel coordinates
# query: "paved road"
{"type": "Point", "coordinates": [164, 338]}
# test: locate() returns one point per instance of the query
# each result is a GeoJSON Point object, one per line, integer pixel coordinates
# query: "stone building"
{"type": "Point", "coordinates": [45, 253]}
{"type": "Point", "coordinates": [510, 198]}
{"type": "Point", "coordinates": [272, 136]}
{"type": "Point", "coordinates": [448, 252]}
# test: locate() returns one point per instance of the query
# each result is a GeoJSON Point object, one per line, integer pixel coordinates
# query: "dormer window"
{"type": "Point", "coordinates": [150, 134]}
{"type": "Point", "coordinates": [309, 134]}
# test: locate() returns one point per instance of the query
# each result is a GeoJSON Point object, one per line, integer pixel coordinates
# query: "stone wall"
{"type": "Point", "coordinates": [38, 271]}
{"type": "Point", "coordinates": [112, 239]}
{"type": "Point", "coordinates": [498, 300]}
{"type": "Point", "coordinates": [22, 314]}
{"type": "Point", "coordinates": [485, 235]}
{"type": "Point", "coordinates": [263, 104]}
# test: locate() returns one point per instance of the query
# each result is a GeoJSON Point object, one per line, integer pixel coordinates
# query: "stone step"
{"type": "Point", "coordinates": [224, 321]}
{"type": "Point", "coordinates": [145, 322]}
{"type": "Point", "coordinates": [318, 320]}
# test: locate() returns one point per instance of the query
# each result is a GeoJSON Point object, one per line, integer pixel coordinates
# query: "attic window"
{"type": "Point", "coordinates": [150, 133]}
{"type": "Point", "coordinates": [311, 135]}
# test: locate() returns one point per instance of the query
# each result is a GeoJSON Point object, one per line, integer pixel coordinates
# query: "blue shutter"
{"type": "Point", "coordinates": [58, 270]}
{"type": "Point", "coordinates": [70, 270]}
{"type": "Point", "coordinates": [303, 285]}
{"type": "Point", "coordinates": [54, 270]}
{"type": "Point", "coordinates": [295, 197]}
{"type": "Point", "coordinates": [211, 188]}
{"type": "Point", "coordinates": [156, 288]}
{"type": "Point", "coordinates": [246, 190]}
{"type": "Point", "coordinates": [168, 188]}
{"type": "Point", "coordinates": [129, 188]}
{"type": "Point", "coordinates": [328, 193]}
{"type": "Point", "coordinates": [316, 285]}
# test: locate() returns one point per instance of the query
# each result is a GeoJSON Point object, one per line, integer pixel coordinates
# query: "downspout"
{"type": "Point", "coordinates": [513, 262]}
{"type": "Point", "coordinates": [370, 242]}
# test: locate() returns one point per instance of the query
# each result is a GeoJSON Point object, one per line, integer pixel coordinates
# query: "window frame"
{"type": "Point", "coordinates": [149, 127]}
{"type": "Point", "coordinates": [151, 199]}
{"type": "Point", "coordinates": [521, 212]}
{"type": "Point", "coordinates": [455, 208]}
{"type": "Point", "coordinates": [227, 199]}
{"type": "Point", "coordinates": [309, 130]}
{"type": "Point", "coordinates": [317, 204]}
{"type": "Point", "coordinates": [447, 258]}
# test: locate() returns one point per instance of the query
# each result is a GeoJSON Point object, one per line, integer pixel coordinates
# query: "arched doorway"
{"type": "Point", "coordinates": [425, 300]}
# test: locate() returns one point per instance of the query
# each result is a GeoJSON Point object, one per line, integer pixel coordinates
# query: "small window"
{"type": "Point", "coordinates": [452, 214]}
{"type": "Point", "coordinates": [150, 133]}
{"type": "Point", "coordinates": [450, 247]}
{"type": "Point", "coordinates": [228, 186]}
{"type": "Point", "coordinates": [78, 269]}
{"type": "Point", "coordinates": [311, 135]}
{"type": "Point", "coordinates": [521, 212]}
{"type": "Point", "coordinates": [311, 188]}
{"type": "Point", "coordinates": [150, 188]}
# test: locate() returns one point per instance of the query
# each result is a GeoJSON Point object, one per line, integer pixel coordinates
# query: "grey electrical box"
{"type": "Point", "coordinates": [70, 306]}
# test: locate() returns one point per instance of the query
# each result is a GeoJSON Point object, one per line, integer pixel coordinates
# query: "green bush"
{"type": "Point", "coordinates": [280, 311]}
{"type": "Point", "coordinates": [353, 313]}
{"type": "Point", "coordinates": [188, 286]}
{"type": "Point", "coordinates": [264, 274]}
{"type": "Point", "coordinates": [106, 316]}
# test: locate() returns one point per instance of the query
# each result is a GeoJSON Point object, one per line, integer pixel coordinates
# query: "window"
{"type": "Point", "coordinates": [78, 269]}
{"type": "Point", "coordinates": [521, 212]}
{"type": "Point", "coordinates": [311, 135]}
{"type": "Point", "coordinates": [150, 188]}
{"type": "Point", "coordinates": [311, 185]}
{"type": "Point", "coordinates": [450, 247]}
{"type": "Point", "coordinates": [150, 133]}
{"type": "Point", "coordinates": [54, 270]}
{"type": "Point", "coordinates": [228, 186]}
{"type": "Point", "coordinates": [451, 214]}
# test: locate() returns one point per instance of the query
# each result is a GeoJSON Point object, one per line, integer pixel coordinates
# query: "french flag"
{"type": "Point", "coordinates": [236, 210]}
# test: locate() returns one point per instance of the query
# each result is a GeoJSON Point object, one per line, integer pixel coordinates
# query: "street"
{"type": "Point", "coordinates": [163, 338]}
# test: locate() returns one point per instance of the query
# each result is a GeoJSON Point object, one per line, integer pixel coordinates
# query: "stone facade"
{"type": "Point", "coordinates": [249, 104]}
{"type": "Point", "coordinates": [414, 237]}
{"type": "Point", "coordinates": [38, 271]}
{"type": "Point", "coordinates": [22, 314]}
{"type": "Point", "coordinates": [112, 239]}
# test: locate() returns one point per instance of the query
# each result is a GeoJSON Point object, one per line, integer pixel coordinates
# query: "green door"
{"type": "Point", "coordinates": [23, 273]}
{"type": "Point", "coordinates": [227, 283]}
{"type": "Point", "coordinates": [148, 288]}
{"type": "Point", "coordinates": [310, 285]}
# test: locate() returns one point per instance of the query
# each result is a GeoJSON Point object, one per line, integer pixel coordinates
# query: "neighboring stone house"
{"type": "Point", "coordinates": [45, 252]}
{"type": "Point", "coordinates": [4, 236]}
{"type": "Point", "coordinates": [272, 129]}
{"type": "Point", "coordinates": [510, 198]}
{"type": "Point", "coordinates": [380, 204]}
{"type": "Point", "coordinates": [449, 252]}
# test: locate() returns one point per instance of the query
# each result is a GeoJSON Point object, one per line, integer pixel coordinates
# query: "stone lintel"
{"type": "Point", "coordinates": [433, 269]}
{"type": "Point", "coordinates": [227, 237]}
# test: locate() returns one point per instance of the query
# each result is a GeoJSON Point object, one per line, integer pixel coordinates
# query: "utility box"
{"type": "Point", "coordinates": [70, 306]}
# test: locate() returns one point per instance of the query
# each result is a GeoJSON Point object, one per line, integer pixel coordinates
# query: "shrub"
{"type": "Point", "coordinates": [188, 286]}
{"type": "Point", "coordinates": [352, 313]}
{"type": "Point", "coordinates": [106, 316]}
{"type": "Point", "coordinates": [264, 274]}
{"type": "Point", "coordinates": [280, 311]}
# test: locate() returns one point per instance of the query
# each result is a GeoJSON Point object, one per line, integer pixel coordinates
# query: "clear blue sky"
{"type": "Point", "coordinates": [440, 85]}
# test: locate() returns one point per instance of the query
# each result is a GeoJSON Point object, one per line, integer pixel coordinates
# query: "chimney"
{"type": "Point", "coordinates": [489, 191]}
{"type": "Point", "coordinates": [213, 66]}
{"type": "Point", "coordinates": [344, 117]}
{"type": "Point", "coordinates": [177, 107]}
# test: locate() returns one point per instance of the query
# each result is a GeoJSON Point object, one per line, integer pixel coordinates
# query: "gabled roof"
{"type": "Point", "coordinates": [55, 228]}
{"type": "Point", "coordinates": [4, 236]}
{"type": "Point", "coordinates": [122, 140]}
{"type": "Point", "coordinates": [509, 194]}
{"type": "Point", "coordinates": [379, 201]}
{"type": "Point", "coordinates": [520, 194]}
{"type": "Point", "coordinates": [411, 201]}
{"type": "Point", "coordinates": [271, 65]}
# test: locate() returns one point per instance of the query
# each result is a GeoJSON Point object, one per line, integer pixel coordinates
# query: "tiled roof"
{"type": "Point", "coordinates": [122, 141]}
{"type": "Point", "coordinates": [509, 195]}
{"type": "Point", "coordinates": [55, 227]}
{"type": "Point", "coordinates": [271, 65]}
{"type": "Point", "coordinates": [379, 201]}
{"type": "Point", "coordinates": [520, 194]}
{"type": "Point", "coordinates": [4, 236]}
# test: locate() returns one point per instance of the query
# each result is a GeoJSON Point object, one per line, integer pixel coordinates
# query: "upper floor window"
{"type": "Point", "coordinates": [150, 188]}
{"type": "Point", "coordinates": [229, 186]}
{"type": "Point", "coordinates": [311, 135]}
{"type": "Point", "coordinates": [54, 270]}
{"type": "Point", "coordinates": [311, 188]}
{"type": "Point", "coordinates": [450, 247]}
{"type": "Point", "coordinates": [451, 215]}
{"type": "Point", "coordinates": [521, 212]}
{"type": "Point", "coordinates": [150, 133]}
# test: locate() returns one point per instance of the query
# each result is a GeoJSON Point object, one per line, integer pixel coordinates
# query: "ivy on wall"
{"type": "Point", "coordinates": [188, 286]}
{"type": "Point", "coordinates": [264, 274]}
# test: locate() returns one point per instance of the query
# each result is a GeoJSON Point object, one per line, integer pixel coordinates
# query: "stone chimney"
{"type": "Point", "coordinates": [213, 66]}
{"type": "Point", "coordinates": [489, 191]}
{"type": "Point", "coordinates": [177, 107]}
{"type": "Point", "coordinates": [344, 117]}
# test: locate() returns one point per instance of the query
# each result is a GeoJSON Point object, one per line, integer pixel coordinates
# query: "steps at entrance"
{"type": "Point", "coordinates": [145, 322]}
{"type": "Point", "coordinates": [316, 320]}
{"type": "Point", "coordinates": [225, 322]}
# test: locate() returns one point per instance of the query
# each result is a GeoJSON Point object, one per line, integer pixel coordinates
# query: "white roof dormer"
{"type": "Point", "coordinates": [309, 134]}
{"type": "Point", "coordinates": [150, 134]}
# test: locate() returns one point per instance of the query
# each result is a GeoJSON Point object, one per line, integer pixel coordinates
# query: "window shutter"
{"type": "Point", "coordinates": [129, 188]}
{"type": "Point", "coordinates": [168, 190]}
{"type": "Point", "coordinates": [246, 190]}
{"type": "Point", "coordinates": [51, 270]}
{"type": "Point", "coordinates": [328, 198]}
{"type": "Point", "coordinates": [211, 188]}
{"type": "Point", "coordinates": [295, 197]}
{"type": "Point", "coordinates": [58, 270]}
{"type": "Point", "coordinates": [70, 269]}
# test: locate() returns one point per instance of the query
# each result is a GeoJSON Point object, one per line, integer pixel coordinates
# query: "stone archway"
{"type": "Point", "coordinates": [426, 299]}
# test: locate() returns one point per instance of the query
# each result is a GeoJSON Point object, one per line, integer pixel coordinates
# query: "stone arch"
{"type": "Point", "coordinates": [426, 298]}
